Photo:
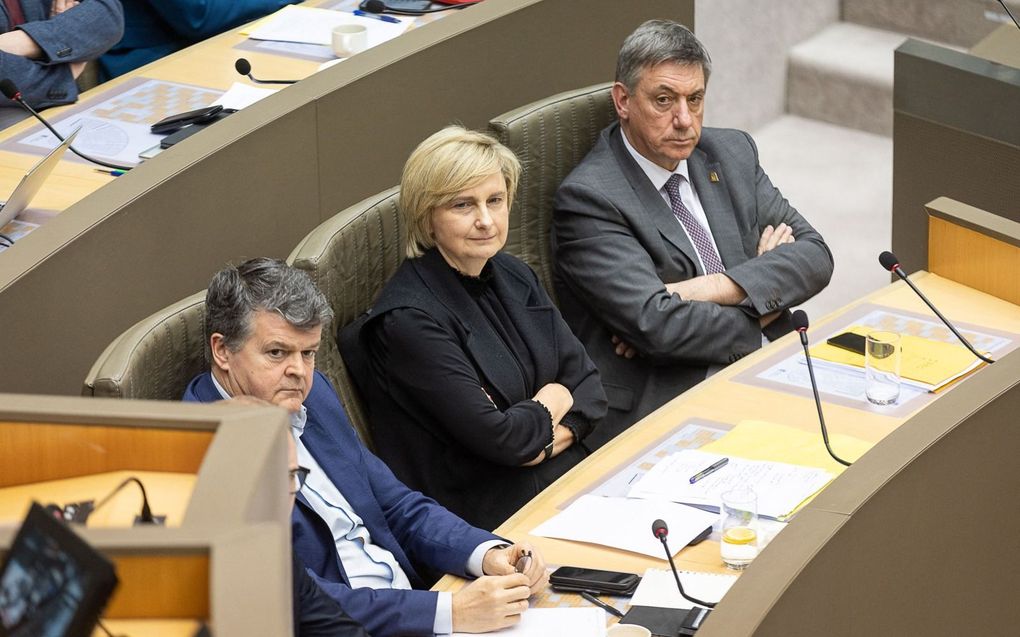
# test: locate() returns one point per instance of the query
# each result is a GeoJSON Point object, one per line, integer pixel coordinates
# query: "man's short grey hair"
{"type": "Point", "coordinates": [238, 291]}
{"type": "Point", "coordinates": [655, 42]}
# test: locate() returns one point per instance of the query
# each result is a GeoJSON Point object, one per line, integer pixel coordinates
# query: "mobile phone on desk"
{"type": "Point", "coordinates": [848, 341]}
{"type": "Point", "coordinates": [576, 579]}
{"type": "Point", "coordinates": [175, 122]}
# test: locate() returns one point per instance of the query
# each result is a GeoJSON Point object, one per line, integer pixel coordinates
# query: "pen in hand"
{"type": "Point", "coordinates": [523, 562]}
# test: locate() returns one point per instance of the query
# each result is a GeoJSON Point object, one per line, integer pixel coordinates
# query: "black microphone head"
{"type": "Point", "coordinates": [9, 90]}
{"type": "Point", "coordinates": [375, 6]}
{"type": "Point", "coordinates": [659, 529]}
{"type": "Point", "coordinates": [889, 261]}
{"type": "Point", "coordinates": [800, 320]}
{"type": "Point", "coordinates": [242, 66]}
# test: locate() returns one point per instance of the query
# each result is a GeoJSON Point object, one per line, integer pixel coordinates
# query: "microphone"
{"type": "Point", "coordinates": [145, 517]}
{"type": "Point", "coordinates": [660, 531]}
{"type": "Point", "coordinates": [891, 263]}
{"type": "Point", "coordinates": [379, 6]}
{"type": "Point", "coordinates": [800, 323]}
{"type": "Point", "coordinates": [11, 92]}
{"type": "Point", "coordinates": [243, 67]}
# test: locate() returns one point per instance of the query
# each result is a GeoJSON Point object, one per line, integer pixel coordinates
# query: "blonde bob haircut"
{"type": "Point", "coordinates": [445, 164]}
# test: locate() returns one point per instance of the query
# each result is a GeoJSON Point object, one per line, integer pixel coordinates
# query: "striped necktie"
{"type": "Point", "coordinates": [697, 233]}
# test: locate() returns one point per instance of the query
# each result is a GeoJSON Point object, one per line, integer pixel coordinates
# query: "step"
{"type": "Point", "coordinates": [844, 75]}
{"type": "Point", "coordinates": [959, 22]}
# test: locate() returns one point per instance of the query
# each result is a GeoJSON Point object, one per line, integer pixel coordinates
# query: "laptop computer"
{"type": "Point", "coordinates": [52, 583]}
{"type": "Point", "coordinates": [32, 183]}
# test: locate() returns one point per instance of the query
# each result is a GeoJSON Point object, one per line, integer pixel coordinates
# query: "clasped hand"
{"type": "Point", "coordinates": [497, 599]}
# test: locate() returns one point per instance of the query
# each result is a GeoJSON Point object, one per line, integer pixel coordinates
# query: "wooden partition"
{"type": "Point", "coordinates": [228, 562]}
{"type": "Point", "coordinates": [907, 541]}
{"type": "Point", "coordinates": [970, 246]}
{"type": "Point", "coordinates": [956, 133]}
{"type": "Point", "coordinates": [258, 181]}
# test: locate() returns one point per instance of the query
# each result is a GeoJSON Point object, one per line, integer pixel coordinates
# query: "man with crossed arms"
{"type": "Point", "coordinates": [674, 252]}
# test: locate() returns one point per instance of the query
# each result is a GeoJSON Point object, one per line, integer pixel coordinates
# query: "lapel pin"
{"type": "Point", "coordinates": [713, 177]}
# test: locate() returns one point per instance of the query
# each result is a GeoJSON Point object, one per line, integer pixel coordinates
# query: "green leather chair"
{"type": "Point", "coordinates": [155, 358]}
{"type": "Point", "coordinates": [550, 136]}
{"type": "Point", "coordinates": [350, 257]}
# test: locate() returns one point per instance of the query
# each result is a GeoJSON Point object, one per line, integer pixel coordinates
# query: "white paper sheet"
{"type": "Point", "coordinates": [556, 622]}
{"type": "Point", "coordinates": [780, 487]}
{"type": "Point", "coordinates": [315, 26]}
{"type": "Point", "coordinates": [658, 588]}
{"type": "Point", "coordinates": [626, 524]}
{"type": "Point", "coordinates": [241, 96]}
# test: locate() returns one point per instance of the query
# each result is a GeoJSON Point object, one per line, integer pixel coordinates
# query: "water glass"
{"type": "Point", "coordinates": [882, 358]}
{"type": "Point", "coordinates": [738, 545]}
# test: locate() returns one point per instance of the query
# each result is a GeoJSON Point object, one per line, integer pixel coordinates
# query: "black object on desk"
{"type": "Point", "coordinates": [666, 622]}
{"type": "Point", "coordinates": [191, 129]}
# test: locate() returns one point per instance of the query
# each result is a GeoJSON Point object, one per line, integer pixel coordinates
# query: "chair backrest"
{"type": "Point", "coordinates": [156, 357]}
{"type": "Point", "coordinates": [351, 257]}
{"type": "Point", "coordinates": [550, 136]}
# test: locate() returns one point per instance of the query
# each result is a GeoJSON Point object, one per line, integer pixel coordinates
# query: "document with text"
{"type": "Point", "coordinates": [780, 487]}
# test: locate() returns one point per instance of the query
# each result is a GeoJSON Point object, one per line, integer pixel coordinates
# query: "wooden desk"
{"type": "Point", "coordinates": [723, 400]}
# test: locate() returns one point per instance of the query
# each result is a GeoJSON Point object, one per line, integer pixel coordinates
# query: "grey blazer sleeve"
{"type": "Point", "coordinates": [82, 33]}
{"type": "Point", "coordinates": [791, 273]}
{"type": "Point", "coordinates": [602, 260]}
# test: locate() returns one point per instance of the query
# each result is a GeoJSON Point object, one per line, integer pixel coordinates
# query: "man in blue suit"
{"type": "Point", "coordinates": [364, 536]}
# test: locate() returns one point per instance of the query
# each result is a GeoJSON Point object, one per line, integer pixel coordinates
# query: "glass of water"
{"type": "Point", "coordinates": [882, 358]}
{"type": "Point", "coordinates": [738, 545]}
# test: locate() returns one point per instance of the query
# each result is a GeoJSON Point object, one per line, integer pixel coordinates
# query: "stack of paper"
{"type": "Point", "coordinates": [309, 25]}
{"type": "Point", "coordinates": [927, 364]}
{"type": "Point", "coordinates": [556, 622]}
{"type": "Point", "coordinates": [658, 588]}
{"type": "Point", "coordinates": [780, 487]}
{"type": "Point", "coordinates": [626, 524]}
{"type": "Point", "coordinates": [760, 440]}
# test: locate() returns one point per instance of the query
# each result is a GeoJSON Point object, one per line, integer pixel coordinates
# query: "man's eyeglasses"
{"type": "Point", "coordinates": [297, 479]}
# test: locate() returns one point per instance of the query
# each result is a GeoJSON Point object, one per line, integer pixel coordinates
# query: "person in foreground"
{"type": "Point", "coordinates": [362, 534]}
{"type": "Point", "coordinates": [465, 361]}
{"type": "Point", "coordinates": [674, 253]}
{"type": "Point", "coordinates": [45, 44]}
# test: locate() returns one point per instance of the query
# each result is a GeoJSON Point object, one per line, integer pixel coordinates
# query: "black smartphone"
{"type": "Point", "coordinates": [575, 579]}
{"type": "Point", "coordinates": [848, 341]}
{"type": "Point", "coordinates": [174, 122]}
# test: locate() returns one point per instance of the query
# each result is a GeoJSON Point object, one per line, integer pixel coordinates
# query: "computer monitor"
{"type": "Point", "coordinates": [52, 583]}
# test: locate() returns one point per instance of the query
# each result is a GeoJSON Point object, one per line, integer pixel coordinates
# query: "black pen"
{"type": "Point", "coordinates": [712, 468]}
{"type": "Point", "coordinates": [601, 604]}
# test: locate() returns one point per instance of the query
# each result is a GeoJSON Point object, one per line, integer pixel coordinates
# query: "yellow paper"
{"type": "Point", "coordinates": [924, 360]}
{"type": "Point", "coordinates": [761, 440]}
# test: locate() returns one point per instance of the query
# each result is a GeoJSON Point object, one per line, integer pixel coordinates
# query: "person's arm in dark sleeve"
{"type": "Point", "coordinates": [82, 33]}
{"type": "Point", "coordinates": [316, 614]}
{"type": "Point", "coordinates": [577, 373]}
{"type": "Point", "coordinates": [606, 267]}
{"type": "Point", "coordinates": [201, 19]}
{"type": "Point", "coordinates": [428, 364]}
{"type": "Point", "coordinates": [791, 273]}
{"type": "Point", "coordinates": [385, 612]}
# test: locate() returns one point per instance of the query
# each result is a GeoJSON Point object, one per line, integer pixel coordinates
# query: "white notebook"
{"type": "Point", "coordinates": [658, 588]}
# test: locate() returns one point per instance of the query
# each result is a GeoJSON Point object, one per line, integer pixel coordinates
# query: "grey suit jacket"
{"type": "Point", "coordinates": [616, 244]}
{"type": "Point", "coordinates": [82, 33]}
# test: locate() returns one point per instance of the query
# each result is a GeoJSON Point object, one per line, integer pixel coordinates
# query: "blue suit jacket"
{"type": "Point", "coordinates": [81, 33]}
{"type": "Point", "coordinates": [414, 528]}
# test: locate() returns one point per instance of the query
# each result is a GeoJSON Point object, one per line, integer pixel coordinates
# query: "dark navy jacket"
{"type": "Point", "coordinates": [420, 533]}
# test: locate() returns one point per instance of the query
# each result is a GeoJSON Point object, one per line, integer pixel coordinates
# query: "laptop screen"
{"type": "Point", "coordinates": [52, 583]}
